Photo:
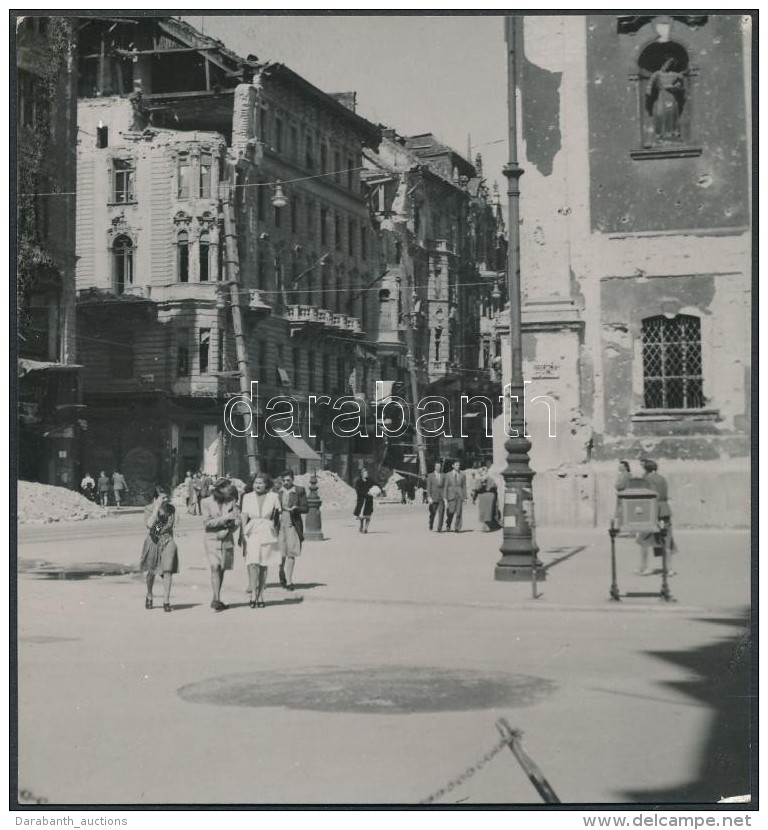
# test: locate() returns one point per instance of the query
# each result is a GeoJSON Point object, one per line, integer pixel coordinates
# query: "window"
{"type": "Point", "coordinates": [323, 225]}
{"type": "Point", "coordinates": [311, 372]}
{"type": "Point", "coordinates": [323, 158]}
{"type": "Point", "coordinates": [261, 202]}
{"type": "Point", "coordinates": [261, 268]}
{"type": "Point", "coordinates": [309, 160]}
{"type": "Point", "coordinates": [222, 351]}
{"type": "Point", "coordinates": [206, 161]}
{"type": "Point", "coordinates": [204, 349]}
{"type": "Point", "coordinates": [311, 219]}
{"type": "Point", "coordinates": [337, 166]}
{"type": "Point", "coordinates": [122, 257]}
{"type": "Point", "coordinates": [30, 94]}
{"type": "Point", "coordinates": [263, 126]}
{"type": "Point", "coordinates": [326, 374]}
{"type": "Point", "coordinates": [278, 213]}
{"type": "Point", "coordinates": [350, 173]}
{"type": "Point", "coordinates": [672, 369]}
{"type": "Point", "coordinates": [294, 214]}
{"type": "Point", "coordinates": [363, 242]}
{"type": "Point", "coordinates": [182, 245]}
{"type": "Point", "coordinates": [262, 360]}
{"type": "Point", "coordinates": [324, 280]}
{"type": "Point", "coordinates": [182, 190]}
{"type": "Point", "coordinates": [121, 355]}
{"type": "Point", "coordinates": [337, 231]}
{"type": "Point", "coordinates": [123, 175]}
{"type": "Point", "coordinates": [296, 354]}
{"type": "Point", "coordinates": [438, 341]}
{"type": "Point", "coordinates": [342, 377]}
{"type": "Point", "coordinates": [182, 354]}
{"type": "Point", "coordinates": [294, 142]}
{"type": "Point", "coordinates": [279, 135]}
{"type": "Point", "coordinates": [351, 238]}
{"type": "Point", "coordinates": [205, 257]}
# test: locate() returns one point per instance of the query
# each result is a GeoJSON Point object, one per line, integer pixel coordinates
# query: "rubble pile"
{"type": "Point", "coordinates": [42, 503]}
{"type": "Point", "coordinates": [333, 490]}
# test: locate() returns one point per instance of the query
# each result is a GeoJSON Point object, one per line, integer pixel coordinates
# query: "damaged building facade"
{"type": "Point", "coordinates": [442, 248]}
{"type": "Point", "coordinates": [50, 420]}
{"type": "Point", "coordinates": [636, 258]}
{"type": "Point", "coordinates": [178, 137]}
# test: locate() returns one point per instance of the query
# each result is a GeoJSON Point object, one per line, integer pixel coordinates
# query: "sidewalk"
{"type": "Point", "coordinates": [381, 677]}
{"type": "Point", "coordinates": [403, 560]}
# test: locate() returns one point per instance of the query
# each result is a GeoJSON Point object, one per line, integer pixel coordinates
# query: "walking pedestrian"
{"type": "Point", "coordinates": [436, 505]}
{"type": "Point", "coordinates": [221, 517]}
{"type": "Point", "coordinates": [364, 506]}
{"type": "Point", "coordinates": [293, 504]}
{"type": "Point", "coordinates": [261, 514]}
{"type": "Point", "coordinates": [102, 485]}
{"type": "Point", "coordinates": [159, 554]}
{"type": "Point", "coordinates": [454, 496]}
{"type": "Point", "coordinates": [622, 482]}
{"type": "Point", "coordinates": [197, 486]}
{"type": "Point", "coordinates": [118, 487]}
{"type": "Point", "coordinates": [485, 494]}
{"type": "Point", "coordinates": [658, 540]}
{"type": "Point", "coordinates": [189, 490]}
{"type": "Point", "coordinates": [88, 487]}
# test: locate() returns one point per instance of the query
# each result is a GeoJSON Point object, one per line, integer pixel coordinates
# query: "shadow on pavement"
{"type": "Point", "coordinates": [722, 682]}
{"type": "Point", "coordinates": [564, 557]}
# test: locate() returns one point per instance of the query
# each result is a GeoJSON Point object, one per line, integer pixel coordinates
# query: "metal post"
{"type": "Point", "coordinates": [313, 530]}
{"type": "Point", "coordinates": [514, 737]}
{"type": "Point", "coordinates": [614, 532]}
{"type": "Point", "coordinates": [518, 547]}
{"type": "Point", "coordinates": [666, 594]}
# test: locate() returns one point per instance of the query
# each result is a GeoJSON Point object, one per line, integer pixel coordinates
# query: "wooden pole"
{"type": "Point", "coordinates": [232, 269]}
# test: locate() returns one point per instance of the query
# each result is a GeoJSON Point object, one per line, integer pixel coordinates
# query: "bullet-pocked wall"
{"type": "Point", "coordinates": [668, 147]}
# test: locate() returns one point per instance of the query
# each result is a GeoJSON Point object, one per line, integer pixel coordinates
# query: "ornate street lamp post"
{"type": "Point", "coordinates": [518, 548]}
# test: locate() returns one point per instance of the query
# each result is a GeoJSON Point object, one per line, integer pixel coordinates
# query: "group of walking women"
{"type": "Point", "coordinates": [266, 524]}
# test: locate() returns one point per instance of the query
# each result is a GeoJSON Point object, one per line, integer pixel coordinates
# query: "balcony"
{"type": "Point", "coordinates": [302, 315]}
{"type": "Point", "coordinates": [444, 246]}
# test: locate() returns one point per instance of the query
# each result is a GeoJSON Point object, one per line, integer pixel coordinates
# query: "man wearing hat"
{"type": "Point", "coordinates": [655, 481]}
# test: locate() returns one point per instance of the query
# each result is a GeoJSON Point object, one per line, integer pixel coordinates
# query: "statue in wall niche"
{"type": "Point", "coordinates": [665, 101]}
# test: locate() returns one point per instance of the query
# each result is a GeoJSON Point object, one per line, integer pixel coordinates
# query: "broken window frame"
{"type": "Point", "coordinates": [182, 256]}
{"type": "Point", "coordinates": [123, 181]}
{"type": "Point", "coordinates": [204, 350]}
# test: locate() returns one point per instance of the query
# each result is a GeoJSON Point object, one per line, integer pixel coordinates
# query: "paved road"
{"type": "Point", "coordinates": [382, 677]}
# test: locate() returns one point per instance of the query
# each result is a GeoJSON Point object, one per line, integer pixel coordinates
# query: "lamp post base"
{"type": "Point", "coordinates": [511, 571]}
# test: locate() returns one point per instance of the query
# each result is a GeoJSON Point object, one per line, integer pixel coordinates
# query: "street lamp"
{"type": "Point", "coordinates": [518, 548]}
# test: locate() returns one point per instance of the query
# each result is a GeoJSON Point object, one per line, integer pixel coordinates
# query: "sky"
{"type": "Point", "coordinates": [441, 74]}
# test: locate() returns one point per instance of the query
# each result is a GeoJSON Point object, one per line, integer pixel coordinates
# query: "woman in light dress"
{"type": "Point", "coordinates": [260, 515]}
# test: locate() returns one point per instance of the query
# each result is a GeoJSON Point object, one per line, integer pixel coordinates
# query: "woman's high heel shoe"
{"type": "Point", "coordinates": [252, 603]}
{"type": "Point", "coordinates": [166, 606]}
{"type": "Point", "coordinates": [148, 603]}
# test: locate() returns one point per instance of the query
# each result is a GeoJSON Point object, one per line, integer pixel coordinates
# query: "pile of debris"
{"type": "Point", "coordinates": [42, 503]}
{"type": "Point", "coordinates": [333, 490]}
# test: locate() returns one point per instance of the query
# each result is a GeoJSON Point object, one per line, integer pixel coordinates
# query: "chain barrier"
{"type": "Point", "coordinates": [30, 798]}
{"type": "Point", "coordinates": [467, 774]}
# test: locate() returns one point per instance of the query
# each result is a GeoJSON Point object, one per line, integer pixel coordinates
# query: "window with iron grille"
{"type": "Point", "coordinates": [672, 377]}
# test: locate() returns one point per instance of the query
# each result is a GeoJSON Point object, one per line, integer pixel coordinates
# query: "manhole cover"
{"type": "Point", "coordinates": [381, 690]}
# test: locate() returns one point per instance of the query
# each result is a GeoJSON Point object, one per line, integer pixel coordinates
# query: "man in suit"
{"type": "Point", "coordinates": [293, 504]}
{"type": "Point", "coordinates": [435, 497]}
{"type": "Point", "coordinates": [454, 496]}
